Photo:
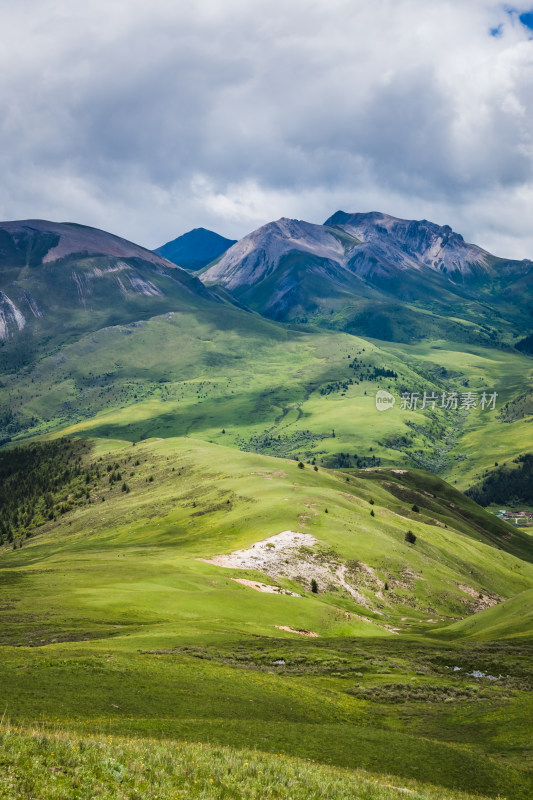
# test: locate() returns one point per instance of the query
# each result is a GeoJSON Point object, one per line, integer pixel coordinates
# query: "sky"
{"type": "Point", "coordinates": [148, 119]}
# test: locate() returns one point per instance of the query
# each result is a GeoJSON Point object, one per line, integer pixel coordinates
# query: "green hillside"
{"type": "Point", "coordinates": [512, 619]}
{"type": "Point", "coordinates": [113, 622]}
{"type": "Point", "coordinates": [204, 500]}
{"type": "Point", "coordinates": [275, 390]}
{"type": "Point", "coordinates": [513, 482]}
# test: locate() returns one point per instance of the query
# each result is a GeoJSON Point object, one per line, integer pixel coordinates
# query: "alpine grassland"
{"type": "Point", "coordinates": [159, 627]}
{"type": "Point", "coordinates": [237, 379]}
{"type": "Point", "coordinates": [59, 764]}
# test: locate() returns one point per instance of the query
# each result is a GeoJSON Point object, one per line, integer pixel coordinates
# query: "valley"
{"type": "Point", "coordinates": [297, 394]}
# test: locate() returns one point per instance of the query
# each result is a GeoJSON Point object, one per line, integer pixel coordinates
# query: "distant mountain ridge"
{"type": "Point", "coordinates": [60, 279]}
{"type": "Point", "coordinates": [195, 249]}
{"type": "Point", "coordinates": [364, 244]}
{"type": "Point", "coordinates": [369, 274]}
{"type": "Point", "coordinates": [31, 241]}
{"type": "Point", "coordinates": [409, 243]}
{"type": "Point", "coordinates": [377, 275]}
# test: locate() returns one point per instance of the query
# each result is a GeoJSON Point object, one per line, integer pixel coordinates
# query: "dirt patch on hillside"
{"type": "Point", "coordinates": [265, 587]}
{"type": "Point", "coordinates": [301, 631]}
{"type": "Point", "coordinates": [480, 600]}
{"type": "Point", "coordinates": [266, 555]}
{"type": "Point", "coordinates": [301, 558]}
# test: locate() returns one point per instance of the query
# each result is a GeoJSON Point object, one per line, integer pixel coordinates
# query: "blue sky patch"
{"type": "Point", "coordinates": [527, 19]}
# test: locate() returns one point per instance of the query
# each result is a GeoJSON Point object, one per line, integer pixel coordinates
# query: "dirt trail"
{"type": "Point", "coordinates": [301, 631]}
{"type": "Point", "coordinates": [265, 587]}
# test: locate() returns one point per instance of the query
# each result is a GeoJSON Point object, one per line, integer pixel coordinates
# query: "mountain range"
{"type": "Point", "coordinates": [279, 340]}
{"type": "Point", "coordinates": [368, 274]}
{"type": "Point", "coordinates": [376, 275]}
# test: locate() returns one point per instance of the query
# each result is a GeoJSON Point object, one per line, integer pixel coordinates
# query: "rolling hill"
{"type": "Point", "coordinates": [512, 619]}
{"type": "Point", "coordinates": [120, 615]}
{"type": "Point", "coordinates": [237, 379]}
{"type": "Point", "coordinates": [186, 500]}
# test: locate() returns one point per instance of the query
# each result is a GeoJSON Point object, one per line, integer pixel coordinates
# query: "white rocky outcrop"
{"type": "Point", "coordinates": [11, 318]}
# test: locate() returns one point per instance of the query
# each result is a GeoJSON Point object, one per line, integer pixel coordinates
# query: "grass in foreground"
{"type": "Point", "coordinates": [112, 625]}
{"type": "Point", "coordinates": [56, 765]}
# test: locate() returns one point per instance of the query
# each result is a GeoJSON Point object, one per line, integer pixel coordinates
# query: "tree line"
{"type": "Point", "coordinates": [506, 485]}
{"type": "Point", "coordinates": [39, 482]}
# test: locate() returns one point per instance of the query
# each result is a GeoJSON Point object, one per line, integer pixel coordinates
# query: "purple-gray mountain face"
{"type": "Point", "coordinates": [363, 244]}
{"type": "Point", "coordinates": [407, 244]}
{"type": "Point", "coordinates": [38, 239]}
{"type": "Point", "coordinates": [257, 255]}
{"type": "Point", "coordinates": [57, 279]}
{"type": "Point", "coordinates": [377, 275]}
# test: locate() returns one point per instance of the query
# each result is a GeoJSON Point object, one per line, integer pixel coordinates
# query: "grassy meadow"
{"type": "Point", "coordinates": [245, 382]}
{"type": "Point", "coordinates": [53, 765]}
{"type": "Point", "coordinates": [113, 626]}
{"type": "Point", "coordinates": [406, 673]}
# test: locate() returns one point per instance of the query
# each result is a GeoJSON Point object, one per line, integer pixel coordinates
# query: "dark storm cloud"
{"type": "Point", "coordinates": [151, 118]}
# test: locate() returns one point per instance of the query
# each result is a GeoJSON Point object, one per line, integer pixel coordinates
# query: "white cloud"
{"type": "Point", "coordinates": [149, 118]}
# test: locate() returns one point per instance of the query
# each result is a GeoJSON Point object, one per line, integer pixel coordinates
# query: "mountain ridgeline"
{"type": "Point", "coordinates": [369, 274]}
{"type": "Point", "coordinates": [379, 276]}
{"type": "Point", "coordinates": [58, 280]}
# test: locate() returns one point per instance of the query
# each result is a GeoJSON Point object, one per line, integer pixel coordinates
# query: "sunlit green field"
{"type": "Point", "coordinates": [484, 438]}
{"type": "Point", "coordinates": [262, 387]}
{"type": "Point", "coordinates": [112, 625]}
